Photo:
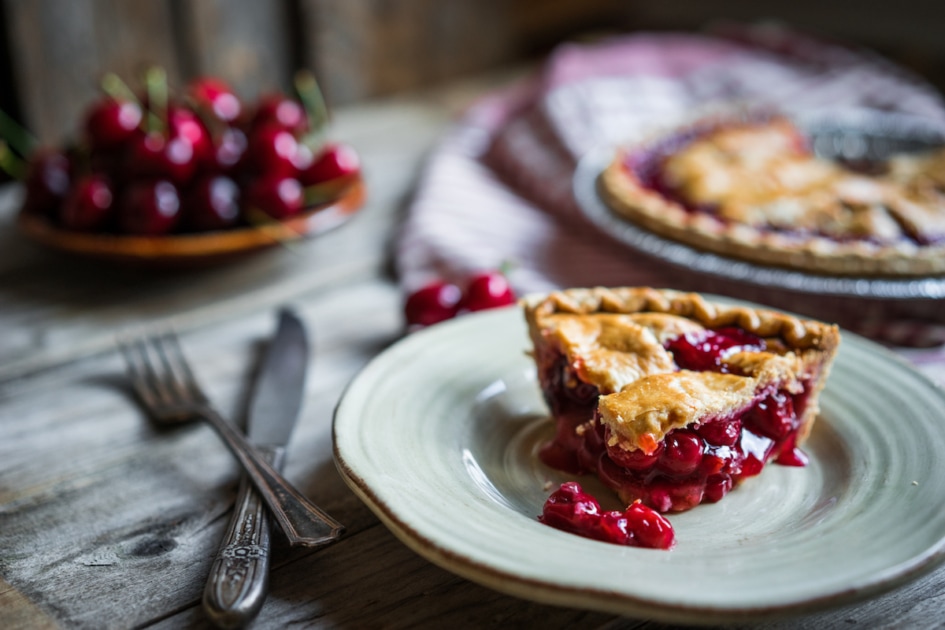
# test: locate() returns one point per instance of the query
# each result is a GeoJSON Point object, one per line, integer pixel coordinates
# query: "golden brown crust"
{"type": "Point", "coordinates": [860, 248]}
{"type": "Point", "coordinates": [644, 396]}
{"type": "Point", "coordinates": [798, 333]}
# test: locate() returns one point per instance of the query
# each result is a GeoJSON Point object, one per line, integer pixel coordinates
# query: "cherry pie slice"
{"type": "Point", "coordinates": [669, 398]}
{"type": "Point", "coordinates": [753, 189]}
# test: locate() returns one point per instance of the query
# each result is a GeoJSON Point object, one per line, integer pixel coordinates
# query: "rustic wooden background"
{"type": "Point", "coordinates": [54, 51]}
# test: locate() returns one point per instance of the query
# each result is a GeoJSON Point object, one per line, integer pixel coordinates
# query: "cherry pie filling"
{"type": "Point", "coordinates": [571, 509]}
{"type": "Point", "coordinates": [696, 463]}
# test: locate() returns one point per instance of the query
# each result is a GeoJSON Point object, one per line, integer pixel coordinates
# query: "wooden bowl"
{"type": "Point", "coordinates": [204, 248]}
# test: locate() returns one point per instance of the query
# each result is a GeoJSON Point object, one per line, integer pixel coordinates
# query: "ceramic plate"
{"type": "Point", "coordinates": [438, 436]}
{"type": "Point", "coordinates": [852, 135]}
{"type": "Point", "coordinates": [185, 250]}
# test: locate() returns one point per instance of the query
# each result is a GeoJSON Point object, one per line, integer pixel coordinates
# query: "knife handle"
{"type": "Point", "coordinates": [239, 577]}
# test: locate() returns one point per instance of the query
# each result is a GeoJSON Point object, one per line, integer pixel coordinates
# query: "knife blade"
{"type": "Point", "coordinates": [239, 577]}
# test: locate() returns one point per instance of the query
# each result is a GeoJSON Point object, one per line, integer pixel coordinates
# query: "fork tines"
{"type": "Point", "coordinates": [159, 371]}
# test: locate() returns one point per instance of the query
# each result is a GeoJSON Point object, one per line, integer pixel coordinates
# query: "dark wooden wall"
{"type": "Point", "coordinates": [59, 49]}
{"type": "Point", "coordinates": [54, 51]}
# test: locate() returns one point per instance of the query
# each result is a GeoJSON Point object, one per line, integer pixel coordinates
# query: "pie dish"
{"type": "Point", "coordinates": [670, 398]}
{"type": "Point", "coordinates": [750, 187]}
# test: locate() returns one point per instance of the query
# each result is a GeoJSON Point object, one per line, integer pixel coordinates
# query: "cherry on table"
{"type": "Point", "coordinates": [89, 204]}
{"type": "Point", "coordinates": [487, 290]}
{"type": "Point", "coordinates": [282, 111]}
{"type": "Point", "coordinates": [154, 155]}
{"type": "Point", "coordinates": [217, 97]}
{"type": "Point", "coordinates": [212, 203]}
{"type": "Point", "coordinates": [48, 178]}
{"type": "Point", "coordinates": [432, 303]}
{"type": "Point", "coordinates": [273, 150]}
{"type": "Point", "coordinates": [229, 150]}
{"type": "Point", "coordinates": [185, 124]}
{"type": "Point", "coordinates": [149, 208]}
{"type": "Point", "coordinates": [333, 162]}
{"type": "Point", "coordinates": [275, 195]}
{"type": "Point", "coordinates": [110, 124]}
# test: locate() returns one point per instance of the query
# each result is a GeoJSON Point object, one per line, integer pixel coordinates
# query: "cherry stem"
{"type": "Point", "coordinates": [155, 80]}
{"type": "Point", "coordinates": [317, 194]}
{"type": "Point", "coordinates": [314, 103]}
{"type": "Point", "coordinates": [118, 89]}
{"type": "Point", "coordinates": [12, 165]}
{"type": "Point", "coordinates": [18, 138]}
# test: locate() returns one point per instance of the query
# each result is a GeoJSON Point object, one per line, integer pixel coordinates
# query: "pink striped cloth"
{"type": "Point", "coordinates": [498, 188]}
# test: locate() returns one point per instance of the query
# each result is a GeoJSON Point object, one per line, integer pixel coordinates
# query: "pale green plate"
{"type": "Point", "coordinates": [438, 437]}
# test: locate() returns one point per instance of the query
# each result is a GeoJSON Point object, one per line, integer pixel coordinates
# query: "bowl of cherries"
{"type": "Point", "coordinates": [168, 179]}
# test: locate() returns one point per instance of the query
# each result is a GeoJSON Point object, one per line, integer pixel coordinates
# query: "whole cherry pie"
{"type": "Point", "coordinates": [669, 398]}
{"type": "Point", "coordinates": [753, 189]}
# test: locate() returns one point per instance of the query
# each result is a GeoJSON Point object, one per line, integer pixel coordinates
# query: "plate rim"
{"type": "Point", "coordinates": [618, 602]}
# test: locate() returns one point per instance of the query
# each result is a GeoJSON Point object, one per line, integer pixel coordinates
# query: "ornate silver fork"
{"type": "Point", "coordinates": [166, 386]}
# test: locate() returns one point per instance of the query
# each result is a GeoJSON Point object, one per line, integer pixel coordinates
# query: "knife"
{"type": "Point", "coordinates": [239, 577]}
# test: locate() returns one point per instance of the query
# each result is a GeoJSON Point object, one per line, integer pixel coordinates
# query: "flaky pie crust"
{"type": "Point", "coordinates": [613, 338]}
{"type": "Point", "coordinates": [854, 256]}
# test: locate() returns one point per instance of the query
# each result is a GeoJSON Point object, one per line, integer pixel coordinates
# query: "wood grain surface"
{"type": "Point", "coordinates": [107, 521]}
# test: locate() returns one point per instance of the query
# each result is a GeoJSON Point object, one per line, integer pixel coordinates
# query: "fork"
{"type": "Point", "coordinates": [164, 382]}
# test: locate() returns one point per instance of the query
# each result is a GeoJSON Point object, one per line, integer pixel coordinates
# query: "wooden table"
{"type": "Point", "coordinates": [109, 522]}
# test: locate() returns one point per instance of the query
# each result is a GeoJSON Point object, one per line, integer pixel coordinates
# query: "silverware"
{"type": "Point", "coordinates": [166, 386]}
{"type": "Point", "coordinates": [239, 577]}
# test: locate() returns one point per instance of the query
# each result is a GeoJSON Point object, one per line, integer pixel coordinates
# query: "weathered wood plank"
{"type": "Point", "coordinates": [247, 43]}
{"type": "Point", "coordinates": [19, 612]}
{"type": "Point", "coordinates": [370, 47]}
{"type": "Point", "coordinates": [911, 24]}
{"type": "Point", "coordinates": [62, 47]}
{"type": "Point", "coordinates": [110, 522]}
{"type": "Point", "coordinates": [365, 48]}
{"type": "Point", "coordinates": [372, 581]}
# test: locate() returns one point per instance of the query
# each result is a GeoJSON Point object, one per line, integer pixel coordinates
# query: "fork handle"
{"type": "Point", "coordinates": [239, 576]}
{"type": "Point", "coordinates": [303, 523]}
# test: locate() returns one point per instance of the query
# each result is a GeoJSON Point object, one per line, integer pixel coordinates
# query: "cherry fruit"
{"type": "Point", "coordinates": [635, 459]}
{"type": "Point", "coordinates": [433, 303]}
{"type": "Point", "coordinates": [273, 150]}
{"type": "Point", "coordinates": [185, 124]}
{"type": "Point", "coordinates": [154, 155]}
{"type": "Point", "coordinates": [201, 163]}
{"type": "Point", "coordinates": [275, 195]}
{"type": "Point", "coordinates": [682, 453]}
{"type": "Point", "coordinates": [217, 97]}
{"type": "Point", "coordinates": [705, 350]}
{"type": "Point", "coordinates": [89, 204]}
{"type": "Point", "coordinates": [571, 509]}
{"type": "Point", "coordinates": [487, 290]}
{"type": "Point", "coordinates": [282, 111]}
{"type": "Point", "coordinates": [149, 208]}
{"type": "Point", "coordinates": [48, 178]}
{"type": "Point", "coordinates": [111, 124]}
{"type": "Point", "coordinates": [650, 529]}
{"type": "Point", "coordinates": [335, 161]}
{"type": "Point", "coordinates": [212, 203]}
